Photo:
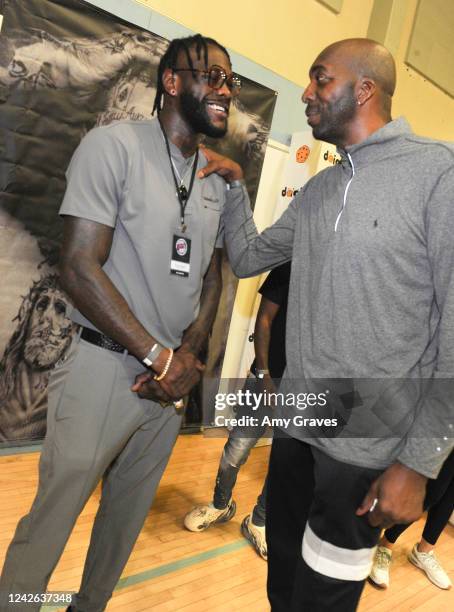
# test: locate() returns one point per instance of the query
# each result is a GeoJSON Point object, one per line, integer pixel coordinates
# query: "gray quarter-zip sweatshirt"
{"type": "Point", "coordinates": [371, 294]}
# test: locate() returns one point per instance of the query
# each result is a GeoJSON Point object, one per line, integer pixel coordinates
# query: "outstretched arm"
{"type": "Point", "coordinates": [250, 253]}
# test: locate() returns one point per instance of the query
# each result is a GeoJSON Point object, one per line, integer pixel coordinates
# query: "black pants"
{"type": "Point", "coordinates": [312, 497]}
{"type": "Point", "coordinates": [440, 502]}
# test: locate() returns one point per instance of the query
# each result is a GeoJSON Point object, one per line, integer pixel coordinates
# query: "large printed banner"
{"type": "Point", "coordinates": [65, 67]}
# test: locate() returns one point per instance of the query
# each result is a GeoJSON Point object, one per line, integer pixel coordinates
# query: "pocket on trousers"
{"type": "Point", "coordinates": [58, 377]}
{"type": "Point", "coordinates": [86, 383]}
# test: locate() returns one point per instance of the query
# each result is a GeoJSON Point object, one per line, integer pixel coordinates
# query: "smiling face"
{"type": "Point", "coordinates": [330, 98]}
{"type": "Point", "coordinates": [205, 109]}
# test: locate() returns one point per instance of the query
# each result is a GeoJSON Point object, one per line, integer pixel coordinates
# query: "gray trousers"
{"type": "Point", "coordinates": [96, 428]}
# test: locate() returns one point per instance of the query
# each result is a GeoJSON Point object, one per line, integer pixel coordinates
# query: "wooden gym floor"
{"type": "Point", "coordinates": [172, 569]}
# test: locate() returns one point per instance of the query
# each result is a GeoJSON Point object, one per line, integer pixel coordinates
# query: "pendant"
{"type": "Point", "coordinates": [182, 193]}
{"type": "Point", "coordinates": [183, 227]}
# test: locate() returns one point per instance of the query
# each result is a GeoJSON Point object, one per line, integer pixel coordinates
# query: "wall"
{"type": "Point", "coordinates": [429, 110]}
{"type": "Point", "coordinates": [283, 36]}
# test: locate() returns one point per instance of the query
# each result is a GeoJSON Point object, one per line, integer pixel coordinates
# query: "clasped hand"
{"type": "Point", "coordinates": [184, 373]}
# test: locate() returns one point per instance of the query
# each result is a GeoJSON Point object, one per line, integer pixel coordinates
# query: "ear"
{"type": "Point", "coordinates": [170, 82]}
{"type": "Point", "coordinates": [366, 90]}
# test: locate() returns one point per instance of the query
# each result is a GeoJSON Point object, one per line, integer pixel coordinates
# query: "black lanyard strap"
{"type": "Point", "coordinates": [182, 193]}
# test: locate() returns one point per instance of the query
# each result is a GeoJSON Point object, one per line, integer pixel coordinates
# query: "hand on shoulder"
{"type": "Point", "coordinates": [221, 165]}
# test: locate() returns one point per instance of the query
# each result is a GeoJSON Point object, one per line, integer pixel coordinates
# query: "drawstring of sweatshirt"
{"type": "Point", "coordinates": [345, 192]}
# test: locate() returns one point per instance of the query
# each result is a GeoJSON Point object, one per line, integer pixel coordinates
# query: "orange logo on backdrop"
{"type": "Point", "coordinates": [302, 154]}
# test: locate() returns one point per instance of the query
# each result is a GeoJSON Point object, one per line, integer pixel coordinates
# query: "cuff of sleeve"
{"type": "Point", "coordinates": [236, 184]}
{"type": "Point", "coordinates": [425, 456]}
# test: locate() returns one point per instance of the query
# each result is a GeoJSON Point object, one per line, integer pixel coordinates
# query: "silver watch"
{"type": "Point", "coordinates": [261, 373]}
{"type": "Point", "coordinates": [236, 183]}
{"type": "Point", "coordinates": [152, 354]}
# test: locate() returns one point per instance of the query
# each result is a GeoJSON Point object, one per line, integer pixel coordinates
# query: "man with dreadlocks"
{"type": "Point", "coordinates": [140, 263]}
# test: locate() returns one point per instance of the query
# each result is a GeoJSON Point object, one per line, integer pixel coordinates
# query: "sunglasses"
{"type": "Point", "coordinates": [216, 77]}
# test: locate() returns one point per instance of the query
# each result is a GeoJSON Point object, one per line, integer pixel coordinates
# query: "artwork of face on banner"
{"type": "Point", "coordinates": [66, 67]}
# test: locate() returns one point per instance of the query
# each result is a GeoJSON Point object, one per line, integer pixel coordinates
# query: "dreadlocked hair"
{"type": "Point", "coordinates": [170, 58]}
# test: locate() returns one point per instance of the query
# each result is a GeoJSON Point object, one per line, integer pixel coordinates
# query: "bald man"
{"type": "Point", "coordinates": [370, 332]}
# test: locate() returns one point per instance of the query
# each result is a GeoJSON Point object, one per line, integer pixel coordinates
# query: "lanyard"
{"type": "Point", "coordinates": [182, 193]}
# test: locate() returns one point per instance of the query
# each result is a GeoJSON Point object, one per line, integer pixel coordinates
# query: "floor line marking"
{"type": "Point", "coordinates": [21, 450]}
{"type": "Point", "coordinates": [174, 566]}
{"type": "Point", "coordinates": [168, 568]}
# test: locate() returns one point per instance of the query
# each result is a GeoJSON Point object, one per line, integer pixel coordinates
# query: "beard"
{"type": "Point", "coordinates": [335, 116]}
{"type": "Point", "coordinates": [40, 354]}
{"type": "Point", "coordinates": [196, 114]}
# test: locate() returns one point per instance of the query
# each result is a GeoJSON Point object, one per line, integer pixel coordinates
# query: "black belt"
{"type": "Point", "coordinates": [98, 339]}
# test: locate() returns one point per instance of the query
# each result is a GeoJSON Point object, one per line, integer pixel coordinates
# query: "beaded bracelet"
{"type": "Point", "coordinates": [166, 367]}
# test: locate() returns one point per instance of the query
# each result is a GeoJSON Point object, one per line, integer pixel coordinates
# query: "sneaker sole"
{"type": "Point", "coordinates": [381, 586]}
{"type": "Point", "coordinates": [250, 538]}
{"type": "Point", "coordinates": [415, 562]}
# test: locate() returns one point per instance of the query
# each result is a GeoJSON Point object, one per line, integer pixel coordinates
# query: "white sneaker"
{"type": "Point", "coordinates": [379, 574]}
{"type": "Point", "coordinates": [256, 536]}
{"type": "Point", "coordinates": [429, 563]}
{"type": "Point", "coordinates": [202, 517]}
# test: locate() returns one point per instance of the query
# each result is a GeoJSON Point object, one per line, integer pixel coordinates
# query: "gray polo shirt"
{"type": "Point", "coordinates": [120, 176]}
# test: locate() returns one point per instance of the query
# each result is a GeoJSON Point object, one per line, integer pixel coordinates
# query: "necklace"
{"type": "Point", "coordinates": [182, 193]}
